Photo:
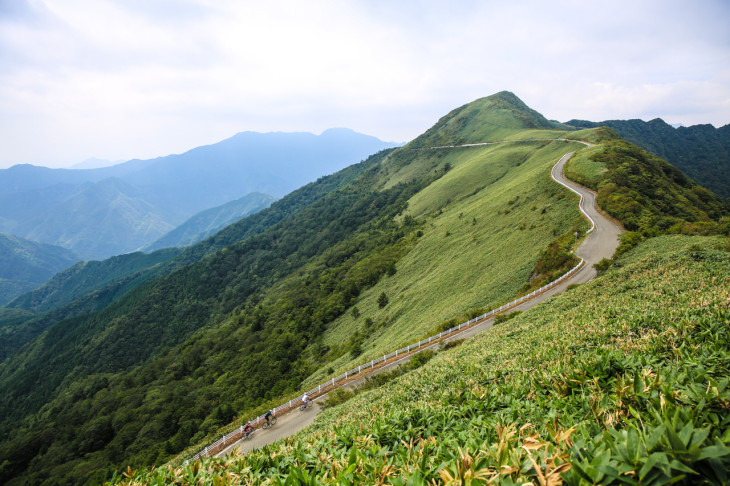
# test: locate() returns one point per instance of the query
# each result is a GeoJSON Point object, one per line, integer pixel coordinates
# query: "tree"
{"type": "Point", "coordinates": [382, 300]}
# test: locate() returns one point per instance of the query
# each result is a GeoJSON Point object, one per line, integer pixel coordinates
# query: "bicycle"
{"type": "Point", "coordinates": [272, 421]}
{"type": "Point", "coordinates": [248, 434]}
{"type": "Point", "coordinates": [305, 405]}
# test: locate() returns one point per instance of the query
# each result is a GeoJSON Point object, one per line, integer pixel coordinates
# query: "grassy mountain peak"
{"type": "Point", "coordinates": [492, 118]}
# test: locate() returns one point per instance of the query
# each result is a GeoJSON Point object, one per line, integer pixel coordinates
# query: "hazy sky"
{"type": "Point", "coordinates": [119, 79]}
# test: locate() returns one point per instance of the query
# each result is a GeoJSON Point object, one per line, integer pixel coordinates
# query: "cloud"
{"type": "Point", "coordinates": [121, 79]}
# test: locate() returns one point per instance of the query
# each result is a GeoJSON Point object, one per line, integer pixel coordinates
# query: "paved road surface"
{"type": "Point", "coordinates": [600, 243]}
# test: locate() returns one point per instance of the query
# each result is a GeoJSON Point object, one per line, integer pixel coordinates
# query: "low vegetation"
{"type": "Point", "coordinates": [620, 381]}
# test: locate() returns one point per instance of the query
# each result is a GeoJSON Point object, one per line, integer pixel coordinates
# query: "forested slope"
{"type": "Point", "coordinates": [242, 353]}
{"type": "Point", "coordinates": [211, 221]}
{"type": "Point", "coordinates": [25, 265]}
{"type": "Point", "coordinates": [645, 193]}
{"type": "Point", "coordinates": [103, 289]}
{"type": "Point", "coordinates": [84, 277]}
{"type": "Point", "coordinates": [702, 152]}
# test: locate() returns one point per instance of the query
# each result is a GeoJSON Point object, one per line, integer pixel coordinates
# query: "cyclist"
{"type": "Point", "coordinates": [268, 416]}
{"type": "Point", "coordinates": [305, 400]}
{"type": "Point", "coordinates": [247, 430]}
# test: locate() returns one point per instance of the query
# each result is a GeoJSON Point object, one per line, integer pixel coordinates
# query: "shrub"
{"type": "Point", "coordinates": [603, 265]}
{"type": "Point", "coordinates": [382, 300]}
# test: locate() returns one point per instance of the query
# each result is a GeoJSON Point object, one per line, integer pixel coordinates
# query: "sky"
{"type": "Point", "coordinates": [123, 79]}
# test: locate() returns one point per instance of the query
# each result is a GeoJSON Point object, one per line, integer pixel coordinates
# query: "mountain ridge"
{"type": "Point", "coordinates": [25, 265]}
{"type": "Point", "coordinates": [702, 151]}
{"type": "Point", "coordinates": [210, 221]}
{"type": "Point", "coordinates": [169, 189]}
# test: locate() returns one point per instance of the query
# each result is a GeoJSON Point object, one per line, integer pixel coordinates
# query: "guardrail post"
{"type": "Point", "coordinates": [206, 450]}
{"type": "Point", "coordinates": [333, 382]}
{"type": "Point", "coordinates": [345, 374]}
{"type": "Point", "coordinates": [372, 363]}
{"type": "Point", "coordinates": [319, 388]}
{"type": "Point", "coordinates": [359, 368]}
{"type": "Point", "coordinates": [396, 353]}
{"type": "Point", "coordinates": [224, 440]}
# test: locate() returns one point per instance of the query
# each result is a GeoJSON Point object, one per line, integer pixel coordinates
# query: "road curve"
{"type": "Point", "coordinates": [601, 242]}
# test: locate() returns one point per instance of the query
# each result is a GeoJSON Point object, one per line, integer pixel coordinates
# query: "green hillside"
{"type": "Point", "coordinates": [211, 221]}
{"type": "Point", "coordinates": [498, 117]}
{"type": "Point", "coordinates": [702, 152]}
{"type": "Point", "coordinates": [84, 277]}
{"type": "Point", "coordinates": [486, 223]}
{"type": "Point", "coordinates": [24, 265]}
{"type": "Point", "coordinates": [109, 280]}
{"type": "Point", "coordinates": [621, 381]}
{"type": "Point", "coordinates": [368, 258]}
{"type": "Point", "coordinates": [648, 195]}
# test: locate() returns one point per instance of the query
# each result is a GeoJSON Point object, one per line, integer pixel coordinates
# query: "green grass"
{"type": "Point", "coordinates": [536, 133]}
{"type": "Point", "coordinates": [501, 116]}
{"type": "Point", "coordinates": [593, 135]}
{"type": "Point", "coordinates": [581, 169]}
{"type": "Point", "coordinates": [486, 222]}
{"type": "Point", "coordinates": [621, 381]}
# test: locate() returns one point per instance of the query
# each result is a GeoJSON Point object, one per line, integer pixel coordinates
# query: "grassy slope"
{"type": "Point", "coordinates": [625, 376]}
{"type": "Point", "coordinates": [490, 204]}
{"type": "Point", "coordinates": [585, 171]}
{"type": "Point", "coordinates": [494, 118]}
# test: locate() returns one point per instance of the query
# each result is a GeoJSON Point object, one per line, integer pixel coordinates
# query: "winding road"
{"type": "Point", "coordinates": [600, 242]}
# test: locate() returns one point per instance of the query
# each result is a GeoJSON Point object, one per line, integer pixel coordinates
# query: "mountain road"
{"type": "Point", "coordinates": [600, 242]}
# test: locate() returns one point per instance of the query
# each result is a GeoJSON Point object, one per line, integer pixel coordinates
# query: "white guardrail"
{"type": "Point", "coordinates": [402, 352]}
{"type": "Point", "coordinates": [410, 349]}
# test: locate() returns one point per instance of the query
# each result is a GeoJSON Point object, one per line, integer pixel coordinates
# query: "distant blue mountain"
{"type": "Point", "coordinates": [210, 221]}
{"type": "Point", "coordinates": [24, 265]}
{"type": "Point", "coordinates": [119, 209]}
